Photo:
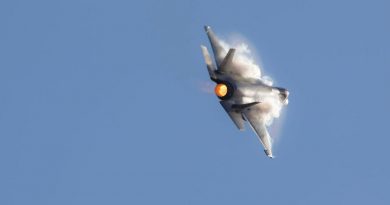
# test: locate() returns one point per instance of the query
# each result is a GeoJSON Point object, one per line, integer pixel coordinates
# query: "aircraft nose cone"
{"type": "Point", "coordinates": [207, 28]}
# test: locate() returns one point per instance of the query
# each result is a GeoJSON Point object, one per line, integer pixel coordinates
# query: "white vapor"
{"type": "Point", "coordinates": [244, 60]}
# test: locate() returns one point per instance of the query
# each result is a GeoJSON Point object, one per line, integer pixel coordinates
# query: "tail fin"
{"type": "Point", "coordinates": [226, 64]}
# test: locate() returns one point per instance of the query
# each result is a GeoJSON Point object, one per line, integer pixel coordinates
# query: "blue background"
{"type": "Point", "coordinates": [100, 103]}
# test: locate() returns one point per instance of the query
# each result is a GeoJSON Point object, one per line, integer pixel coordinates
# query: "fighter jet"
{"type": "Point", "coordinates": [243, 97]}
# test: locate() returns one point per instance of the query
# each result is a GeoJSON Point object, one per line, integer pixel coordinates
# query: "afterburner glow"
{"type": "Point", "coordinates": [221, 90]}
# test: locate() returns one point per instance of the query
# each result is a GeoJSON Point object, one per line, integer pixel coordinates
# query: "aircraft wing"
{"type": "Point", "coordinates": [255, 117]}
{"type": "Point", "coordinates": [218, 50]}
{"type": "Point", "coordinates": [224, 59]}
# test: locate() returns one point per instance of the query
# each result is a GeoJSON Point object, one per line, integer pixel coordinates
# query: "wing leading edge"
{"type": "Point", "coordinates": [223, 57]}
{"type": "Point", "coordinates": [253, 114]}
{"type": "Point", "coordinates": [256, 120]}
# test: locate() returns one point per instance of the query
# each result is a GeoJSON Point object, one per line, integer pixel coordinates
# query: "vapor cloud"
{"type": "Point", "coordinates": [245, 61]}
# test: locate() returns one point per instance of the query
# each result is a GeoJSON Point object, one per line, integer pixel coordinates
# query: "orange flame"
{"type": "Point", "coordinates": [221, 90]}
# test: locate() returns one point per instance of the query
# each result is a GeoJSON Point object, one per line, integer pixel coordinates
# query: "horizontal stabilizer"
{"type": "Point", "coordinates": [234, 115]}
{"type": "Point", "coordinates": [243, 106]}
{"type": "Point", "coordinates": [210, 66]}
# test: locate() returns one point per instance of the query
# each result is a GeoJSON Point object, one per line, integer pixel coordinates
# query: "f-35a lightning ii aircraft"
{"type": "Point", "coordinates": [242, 97]}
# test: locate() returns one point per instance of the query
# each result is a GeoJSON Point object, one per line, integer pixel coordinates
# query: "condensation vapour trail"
{"type": "Point", "coordinates": [244, 60]}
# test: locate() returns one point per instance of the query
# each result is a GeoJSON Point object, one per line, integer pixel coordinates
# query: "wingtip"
{"type": "Point", "coordinates": [269, 154]}
{"type": "Point", "coordinates": [207, 28]}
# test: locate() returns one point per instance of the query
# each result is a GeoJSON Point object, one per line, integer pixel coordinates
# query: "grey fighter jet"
{"type": "Point", "coordinates": [243, 97]}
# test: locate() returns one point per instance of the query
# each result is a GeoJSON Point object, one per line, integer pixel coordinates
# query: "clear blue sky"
{"type": "Point", "coordinates": [100, 103]}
